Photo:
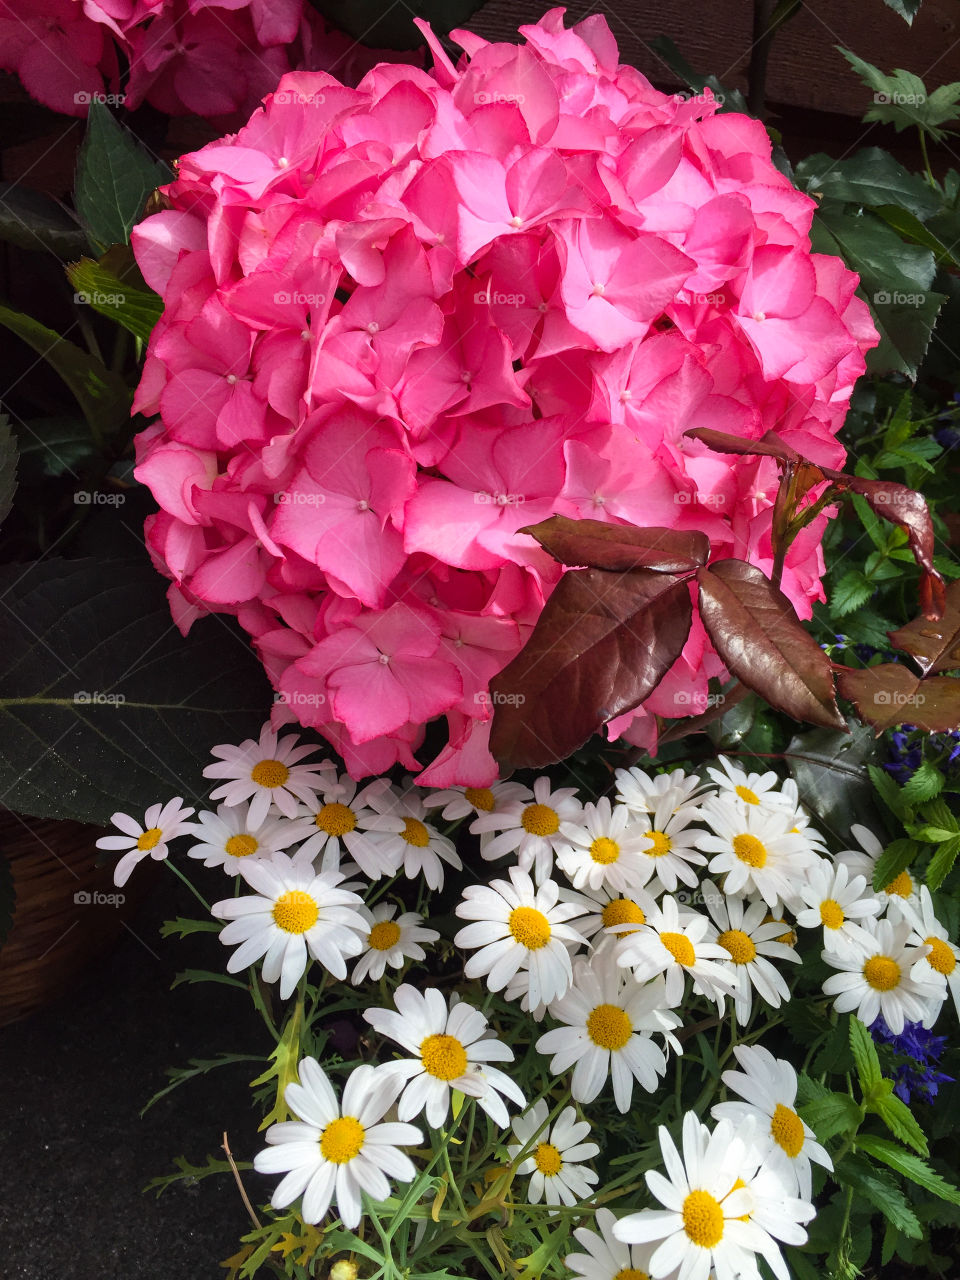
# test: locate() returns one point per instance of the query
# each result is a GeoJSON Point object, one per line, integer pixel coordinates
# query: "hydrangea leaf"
{"type": "Point", "coordinates": [31, 220]}
{"type": "Point", "coordinates": [115, 177]}
{"type": "Point", "coordinates": [116, 295]}
{"type": "Point", "coordinates": [869, 178]}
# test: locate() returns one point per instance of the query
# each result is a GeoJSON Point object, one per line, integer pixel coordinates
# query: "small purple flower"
{"type": "Point", "coordinates": [919, 1052]}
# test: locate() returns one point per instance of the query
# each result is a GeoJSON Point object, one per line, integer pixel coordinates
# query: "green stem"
{"type": "Point", "coordinates": [196, 893]}
{"type": "Point", "coordinates": [926, 159]}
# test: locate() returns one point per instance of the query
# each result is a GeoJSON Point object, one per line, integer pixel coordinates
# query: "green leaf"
{"type": "Point", "coordinates": [8, 467]}
{"type": "Point", "coordinates": [870, 178]}
{"type": "Point", "coordinates": [896, 857]}
{"type": "Point", "coordinates": [909, 1166]}
{"type": "Point", "coordinates": [191, 1173]}
{"type": "Point", "coordinates": [54, 446]}
{"type": "Point", "coordinates": [731, 99]}
{"type": "Point", "coordinates": [828, 768]}
{"type": "Point", "coordinates": [941, 864]}
{"type": "Point", "coordinates": [926, 783]}
{"type": "Point", "coordinates": [103, 397]}
{"type": "Point", "coordinates": [115, 176]}
{"type": "Point", "coordinates": [901, 99]}
{"type": "Point", "coordinates": [195, 976]}
{"type": "Point", "coordinates": [197, 1067]}
{"type": "Point", "coordinates": [882, 1192]}
{"type": "Point", "coordinates": [865, 1056]}
{"type": "Point", "coordinates": [899, 1119]}
{"type": "Point", "coordinates": [888, 791]}
{"type": "Point", "coordinates": [907, 9]}
{"type": "Point", "coordinates": [103, 705]}
{"type": "Point", "coordinates": [909, 227]}
{"type": "Point", "coordinates": [836, 1113]}
{"type": "Point", "coordinates": [284, 1061]}
{"type": "Point", "coordinates": [31, 220]}
{"type": "Point", "coordinates": [137, 309]}
{"type": "Point", "coordinates": [381, 26]}
{"type": "Point", "coordinates": [182, 928]}
{"type": "Point", "coordinates": [853, 590]}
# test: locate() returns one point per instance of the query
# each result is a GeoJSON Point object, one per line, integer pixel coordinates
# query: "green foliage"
{"type": "Point", "coordinates": [901, 99]}
{"type": "Point", "coordinates": [33, 221]}
{"type": "Point", "coordinates": [134, 306]}
{"type": "Point", "coordinates": [115, 176]}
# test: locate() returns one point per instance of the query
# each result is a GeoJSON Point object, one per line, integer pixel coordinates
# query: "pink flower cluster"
{"type": "Point", "coordinates": [405, 320]}
{"type": "Point", "coordinates": [199, 57]}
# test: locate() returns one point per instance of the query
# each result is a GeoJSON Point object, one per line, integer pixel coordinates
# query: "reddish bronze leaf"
{"type": "Point", "coordinates": [620, 546]}
{"type": "Point", "coordinates": [769, 444]}
{"type": "Point", "coordinates": [890, 694]}
{"type": "Point", "coordinates": [757, 634]}
{"type": "Point", "coordinates": [933, 645]}
{"type": "Point", "coordinates": [907, 508]}
{"type": "Point", "coordinates": [602, 644]}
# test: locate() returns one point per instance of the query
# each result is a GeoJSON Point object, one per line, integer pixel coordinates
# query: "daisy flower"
{"type": "Point", "coordinates": [416, 847]}
{"type": "Point", "coordinates": [670, 846]}
{"type": "Point", "coordinates": [605, 847]}
{"type": "Point", "coordinates": [266, 773]}
{"type": "Point", "coordinates": [643, 793]}
{"type": "Point", "coordinates": [722, 1207]}
{"type": "Point", "coordinates": [531, 829]}
{"type": "Point", "coordinates": [297, 911]}
{"type": "Point", "coordinates": [554, 1163]}
{"type": "Point", "coordinates": [327, 1154]}
{"type": "Point", "coordinates": [389, 941]}
{"type": "Point", "coordinates": [769, 1085]}
{"type": "Point", "coordinates": [674, 947]}
{"type": "Point", "coordinates": [451, 1049]}
{"type": "Point", "coordinates": [900, 892]}
{"type": "Point", "coordinates": [467, 802]}
{"type": "Point", "coordinates": [756, 789]}
{"type": "Point", "coordinates": [161, 824]}
{"type": "Point", "coordinates": [939, 965]}
{"type": "Point", "coordinates": [751, 941]}
{"type": "Point", "coordinates": [519, 928]}
{"type": "Point", "coordinates": [756, 850]}
{"type": "Point", "coordinates": [835, 899]}
{"type": "Point", "coordinates": [341, 815]}
{"type": "Point", "coordinates": [606, 1257]}
{"type": "Point", "coordinates": [608, 912]}
{"type": "Point", "coordinates": [879, 980]}
{"type": "Point", "coordinates": [228, 836]}
{"type": "Point", "coordinates": [609, 1018]}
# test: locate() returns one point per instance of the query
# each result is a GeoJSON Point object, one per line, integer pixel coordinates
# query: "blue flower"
{"type": "Point", "coordinates": [921, 1049]}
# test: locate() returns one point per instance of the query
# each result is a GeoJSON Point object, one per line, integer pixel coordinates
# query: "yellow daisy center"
{"type": "Point", "coordinates": [632, 1273]}
{"type": "Point", "coordinates": [941, 956]}
{"type": "Point", "coordinates": [530, 927]}
{"type": "Point", "coordinates": [739, 944]}
{"type": "Point", "coordinates": [295, 911]}
{"type": "Point", "coordinates": [789, 938]}
{"type": "Point", "coordinates": [882, 973]}
{"type": "Point", "coordinates": [269, 773]}
{"type": "Point", "coordinates": [703, 1219]}
{"type": "Point", "coordinates": [680, 947]}
{"type": "Point", "coordinates": [241, 846]}
{"type": "Point", "coordinates": [384, 935]}
{"type": "Point", "coordinates": [548, 1159]}
{"type": "Point", "coordinates": [604, 850]}
{"type": "Point", "coordinates": [831, 914]}
{"type": "Point", "coordinates": [336, 819]}
{"type": "Point", "coordinates": [902, 886]}
{"type": "Point", "coordinates": [444, 1057]}
{"type": "Point", "coordinates": [540, 820]}
{"type": "Point", "coordinates": [787, 1129]}
{"type": "Point", "coordinates": [609, 1027]}
{"type": "Point", "coordinates": [150, 839]}
{"type": "Point", "coordinates": [750, 850]}
{"type": "Point", "coordinates": [622, 911]}
{"type": "Point", "coordinates": [746, 794]}
{"type": "Point", "coordinates": [415, 833]}
{"type": "Point", "coordinates": [481, 798]}
{"type": "Point", "coordinates": [660, 843]}
{"type": "Point", "coordinates": [341, 1140]}
{"type": "Point", "coordinates": [738, 1186]}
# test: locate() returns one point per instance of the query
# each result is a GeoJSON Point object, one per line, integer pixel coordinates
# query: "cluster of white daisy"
{"type": "Point", "coordinates": [606, 920]}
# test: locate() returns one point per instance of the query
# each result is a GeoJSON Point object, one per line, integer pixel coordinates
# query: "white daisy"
{"type": "Point", "coordinates": [756, 850]}
{"type": "Point", "coordinates": [606, 1257]}
{"type": "Point", "coordinates": [531, 829]}
{"type": "Point", "coordinates": [609, 1019]}
{"type": "Point", "coordinates": [269, 772]}
{"type": "Point", "coordinates": [297, 911]}
{"type": "Point", "coordinates": [757, 789]}
{"type": "Point", "coordinates": [801, 818]}
{"type": "Point", "coordinates": [676, 947]}
{"type": "Point", "coordinates": [418, 848]}
{"type": "Point", "coordinates": [329, 1154]}
{"type": "Point", "coordinates": [519, 929]}
{"type": "Point", "coordinates": [670, 846]}
{"type": "Point", "coordinates": [605, 847]}
{"type": "Point", "coordinates": [769, 1086]}
{"type": "Point", "coordinates": [466, 802]}
{"type": "Point", "coordinates": [554, 1162]}
{"type": "Point", "coordinates": [452, 1049]}
{"type": "Point", "coordinates": [389, 941]}
{"type": "Point", "coordinates": [879, 980]}
{"type": "Point", "coordinates": [939, 965]}
{"type": "Point", "coordinates": [723, 1206]}
{"type": "Point", "coordinates": [902, 889]}
{"type": "Point", "coordinates": [228, 836]}
{"type": "Point", "coordinates": [342, 815]}
{"type": "Point", "coordinates": [643, 793]}
{"type": "Point", "coordinates": [751, 941]}
{"type": "Point", "coordinates": [835, 899]}
{"type": "Point", "coordinates": [161, 824]}
{"type": "Point", "coordinates": [609, 913]}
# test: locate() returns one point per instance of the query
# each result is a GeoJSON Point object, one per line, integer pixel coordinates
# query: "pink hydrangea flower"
{"type": "Point", "coordinates": [405, 320]}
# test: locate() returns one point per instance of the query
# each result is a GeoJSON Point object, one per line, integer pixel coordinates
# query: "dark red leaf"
{"type": "Point", "coordinates": [933, 645]}
{"type": "Point", "coordinates": [756, 632]}
{"type": "Point", "coordinates": [769, 444]}
{"type": "Point", "coordinates": [890, 694]}
{"type": "Point", "coordinates": [600, 647]}
{"type": "Point", "coordinates": [907, 508]}
{"type": "Point", "coordinates": [620, 546]}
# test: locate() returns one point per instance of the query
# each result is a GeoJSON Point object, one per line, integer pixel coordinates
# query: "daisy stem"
{"type": "Point", "coordinates": [452, 1181]}
{"type": "Point", "coordinates": [258, 1000]}
{"type": "Point", "coordinates": [196, 893]}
